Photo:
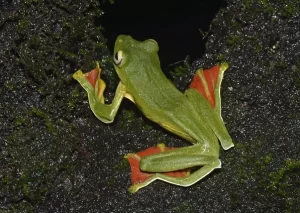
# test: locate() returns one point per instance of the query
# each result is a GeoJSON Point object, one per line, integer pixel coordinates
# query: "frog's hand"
{"type": "Point", "coordinates": [92, 83]}
{"type": "Point", "coordinates": [138, 176]}
{"type": "Point", "coordinates": [95, 86]}
{"type": "Point", "coordinates": [208, 83]}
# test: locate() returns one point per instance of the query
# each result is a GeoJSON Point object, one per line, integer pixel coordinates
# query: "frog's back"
{"type": "Point", "coordinates": [163, 103]}
{"type": "Point", "coordinates": [152, 91]}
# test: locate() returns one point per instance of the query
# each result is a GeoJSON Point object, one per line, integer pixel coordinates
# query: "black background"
{"type": "Point", "coordinates": [175, 25]}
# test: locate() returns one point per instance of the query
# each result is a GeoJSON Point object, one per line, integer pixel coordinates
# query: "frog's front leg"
{"type": "Point", "coordinates": [178, 159]}
{"type": "Point", "coordinates": [95, 87]}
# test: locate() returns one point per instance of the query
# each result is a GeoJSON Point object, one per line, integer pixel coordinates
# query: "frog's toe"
{"type": "Point", "coordinates": [134, 188]}
{"type": "Point", "coordinates": [138, 176]}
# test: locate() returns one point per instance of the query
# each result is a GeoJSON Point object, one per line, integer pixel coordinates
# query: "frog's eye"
{"type": "Point", "coordinates": [118, 58]}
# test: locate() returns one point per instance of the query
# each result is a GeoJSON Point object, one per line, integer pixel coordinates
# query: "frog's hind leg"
{"type": "Point", "coordinates": [210, 117]}
{"type": "Point", "coordinates": [180, 181]}
{"type": "Point", "coordinates": [173, 160]}
{"type": "Point", "coordinates": [138, 176]}
{"type": "Point", "coordinates": [204, 94]}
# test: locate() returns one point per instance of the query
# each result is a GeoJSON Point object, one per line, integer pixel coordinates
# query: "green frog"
{"type": "Point", "coordinates": [194, 115]}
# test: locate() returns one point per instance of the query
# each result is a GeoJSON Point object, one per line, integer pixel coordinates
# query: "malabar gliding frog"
{"type": "Point", "coordinates": [194, 115]}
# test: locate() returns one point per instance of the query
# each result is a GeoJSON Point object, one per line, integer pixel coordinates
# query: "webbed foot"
{"type": "Point", "coordinates": [138, 177]}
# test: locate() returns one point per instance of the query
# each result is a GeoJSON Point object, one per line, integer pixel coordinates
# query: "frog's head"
{"type": "Point", "coordinates": [132, 56]}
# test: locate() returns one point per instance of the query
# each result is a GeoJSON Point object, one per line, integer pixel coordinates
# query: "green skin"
{"type": "Point", "coordinates": [187, 115]}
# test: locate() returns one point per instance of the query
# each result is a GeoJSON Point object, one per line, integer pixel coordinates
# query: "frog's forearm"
{"type": "Point", "coordinates": [107, 112]}
{"type": "Point", "coordinates": [104, 112]}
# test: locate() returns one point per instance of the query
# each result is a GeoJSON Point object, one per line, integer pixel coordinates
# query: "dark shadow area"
{"type": "Point", "coordinates": [175, 26]}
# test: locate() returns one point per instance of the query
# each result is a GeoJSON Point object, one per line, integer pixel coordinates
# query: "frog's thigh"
{"type": "Point", "coordinates": [168, 162]}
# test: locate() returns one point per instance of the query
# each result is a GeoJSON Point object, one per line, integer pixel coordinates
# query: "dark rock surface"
{"type": "Point", "coordinates": [55, 156]}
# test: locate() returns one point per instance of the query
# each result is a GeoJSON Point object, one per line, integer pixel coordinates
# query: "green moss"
{"type": "Point", "coordinates": [23, 25]}
{"type": "Point", "coordinates": [67, 54]}
{"type": "Point", "coordinates": [221, 57]}
{"type": "Point", "coordinates": [233, 40]}
{"type": "Point", "coordinates": [179, 69]}
{"type": "Point", "coordinates": [183, 207]}
{"type": "Point", "coordinates": [21, 206]}
{"type": "Point", "coordinates": [31, 1]}
{"type": "Point", "coordinates": [284, 8]}
{"type": "Point", "coordinates": [111, 181]}
{"type": "Point", "coordinates": [20, 120]}
{"type": "Point", "coordinates": [290, 8]}
{"type": "Point", "coordinates": [267, 7]}
{"type": "Point", "coordinates": [9, 85]}
{"type": "Point", "coordinates": [257, 168]}
{"type": "Point", "coordinates": [128, 115]}
{"type": "Point", "coordinates": [285, 182]}
{"type": "Point", "coordinates": [268, 159]}
{"type": "Point", "coordinates": [148, 127]}
{"type": "Point", "coordinates": [47, 119]}
{"type": "Point", "coordinates": [257, 48]}
{"type": "Point", "coordinates": [277, 178]}
{"type": "Point", "coordinates": [51, 40]}
{"type": "Point", "coordinates": [297, 83]}
{"type": "Point", "coordinates": [122, 165]}
{"type": "Point", "coordinates": [252, 166]}
{"type": "Point", "coordinates": [235, 24]}
{"type": "Point", "coordinates": [100, 45]}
